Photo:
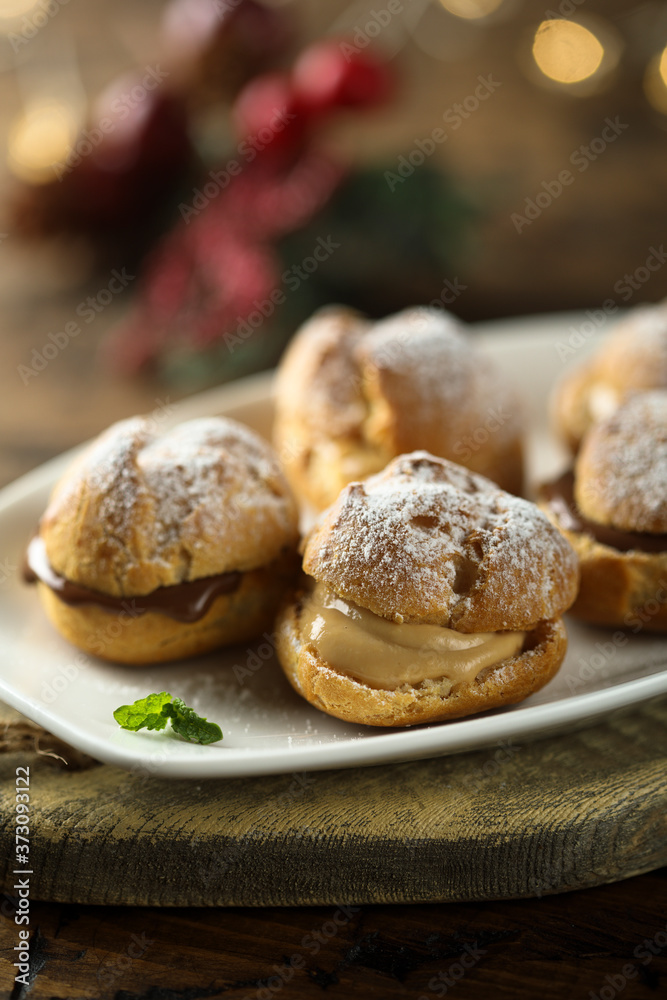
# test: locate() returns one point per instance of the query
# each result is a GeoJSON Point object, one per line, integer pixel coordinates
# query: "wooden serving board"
{"type": "Point", "coordinates": [517, 820]}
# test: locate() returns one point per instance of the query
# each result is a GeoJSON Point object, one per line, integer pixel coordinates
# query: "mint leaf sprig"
{"type": "Point", "coordinates": [156, 710]}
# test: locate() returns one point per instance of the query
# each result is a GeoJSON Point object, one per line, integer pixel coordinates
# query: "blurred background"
{"type": "Point", "coordinates": [184, 182]}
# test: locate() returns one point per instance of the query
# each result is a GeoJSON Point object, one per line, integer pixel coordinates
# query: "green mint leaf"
{"type": "Point", "coordinates": [191, 726]}
{"type": "Point", "coordinates": [145, 713]}
{"type": "Point", "coordinates": [154, 712]}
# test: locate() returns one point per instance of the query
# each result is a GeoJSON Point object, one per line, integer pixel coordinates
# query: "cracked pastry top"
{"type": "Point", "coordinates": [612, 508]}
{"type": "Point", "coordinates": [631, 359]}
{"type": "Point", "coordinates": [140, 510]}
{"type": "Point", "coordinates": [434, 558]}
{"type": "Point", "coordinates": [352, 394]}
{"type": "Point", "coordinates": [143, 522]}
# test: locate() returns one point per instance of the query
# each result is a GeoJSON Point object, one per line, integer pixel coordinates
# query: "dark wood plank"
{"type": "Point", "coordinates": [554, 947]}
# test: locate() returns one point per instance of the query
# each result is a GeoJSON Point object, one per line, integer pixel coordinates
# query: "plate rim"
{"type": "Point", "coordinates": [512, 725]}
{"type": "Point", "coordinates": [384, 745]}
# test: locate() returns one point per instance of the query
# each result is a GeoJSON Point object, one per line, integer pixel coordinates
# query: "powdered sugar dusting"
{"type": "Point", "coordinates": [206, 497]}
{"type": "Point", "coordinates": [426, 344]}
{"type": "Point", "coordinates": [414, 378]}
{"type": "Point", "coordinates": [203, 465]}
{"type": "Point", "coordinates": [427, 540]}
{"type": "Point", "coordinates": [428, 385]}
{"type": "Point", "coordinates": [622, 468]}
{"type": "Point", "coordinates": [636, 354]}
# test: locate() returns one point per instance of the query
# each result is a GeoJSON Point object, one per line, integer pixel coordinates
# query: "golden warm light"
{"type": "Point", "coordinates": [566, 51]}
{"type": "Point", "coordinates": [40, 139]}
{"type": "Point", "coordinates": [11, 9]}
{"type": "Point", "coordinates": [655, 82]}
{"type": "Point", "coordinates": [471, 10]}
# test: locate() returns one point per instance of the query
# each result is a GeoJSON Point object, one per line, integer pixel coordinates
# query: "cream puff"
{"type": "Point", "coordinates": [429, 594]}
{"type": "Point", "coordinates": [612, 508]}
{"type": "Point", "coordinates": [352, 394]}
{"type": "Point", "coordinates": [633, 358]}
{"type": "Point", "coordinates": [159, 546]}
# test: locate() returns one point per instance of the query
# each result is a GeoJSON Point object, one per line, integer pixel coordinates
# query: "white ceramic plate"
{"type": "Point", "coordinates": [267, 727]}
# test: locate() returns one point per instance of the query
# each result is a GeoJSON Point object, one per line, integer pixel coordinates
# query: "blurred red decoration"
{"type": "Point", "coordinates": [214, 270]}
{"type": "Point", "coordinates": [208, 274]}
{"type": "Point", "coordinates": [267, 114]}
{"type": "Point", "coordinates": [332, 74]}
{"type": "Point", "coordinates": [117, 183]}
{"type": "Point", "coordinates": [219, 264]}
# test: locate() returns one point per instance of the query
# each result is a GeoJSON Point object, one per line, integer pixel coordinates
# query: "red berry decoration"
{"type": "Point", "coordinates": [331, 74]}
{"type": "Point", "coordinates": [215, 269]}
{"type": "Point", "coordinates": [267, 114]}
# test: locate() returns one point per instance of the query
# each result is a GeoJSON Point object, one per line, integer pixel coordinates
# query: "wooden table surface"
{"type": "Point", "coordinates": [577, 945]}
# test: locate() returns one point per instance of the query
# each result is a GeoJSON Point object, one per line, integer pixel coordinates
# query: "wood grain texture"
{"type": "Point", "coordinates": [563, 946]}
{"type": "Point", "coordinates": [516, 820]}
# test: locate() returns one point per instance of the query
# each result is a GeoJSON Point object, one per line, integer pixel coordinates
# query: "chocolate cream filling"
{"type": "Point", "coordinates": [559, 496]}
{"type": "Point", "coordinates": [185, 602]}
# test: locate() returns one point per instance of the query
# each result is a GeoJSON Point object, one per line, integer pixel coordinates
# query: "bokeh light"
{"type": "Point", "coordinates": [12, 12]}
{"type": "Point", "coordinates": [567, 52]}
{"type": "Point", "coordinates": [662, 66]}
{"type": "Point", "coordinates": [40, 139]}
{"type": "Point", "coordinates": [655, 82]}
{"type": "Point", "coordinates": [471, 10]}
{"type": "Point", "coordinates": [10, 9]}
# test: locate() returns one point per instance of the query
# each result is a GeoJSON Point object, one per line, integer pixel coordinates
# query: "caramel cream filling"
{"type": "Point", "coordinates": [384, 654]}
